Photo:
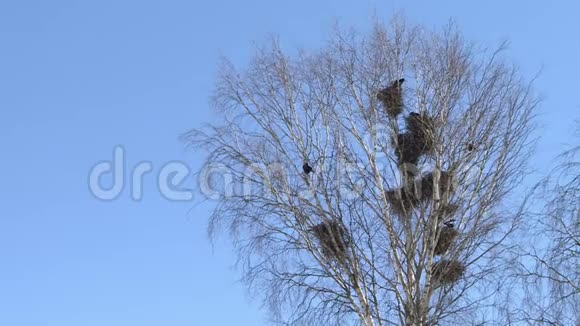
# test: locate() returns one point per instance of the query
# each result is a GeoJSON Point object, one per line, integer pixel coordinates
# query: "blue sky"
{"type": "Point", "coordinates": [78, 78]}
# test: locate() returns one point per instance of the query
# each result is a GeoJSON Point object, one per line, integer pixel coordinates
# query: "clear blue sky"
{"type": "Point", "coordinates": [79, 77]}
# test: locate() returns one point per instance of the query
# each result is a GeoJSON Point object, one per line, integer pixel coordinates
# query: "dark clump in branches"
{"type": "Point", "coordinates": [447, 271]}
{"type": "Point", "coordinates": [422, 126]}
{"type": "Point", "coordinates": [392, 98]}
{"type": "Point", "coordinates": [307, 168]}
{"type": "Point", "coordinates": [437, 185]}
{"type": "Point", "coordinates": [408, 148]}
{"type": "Point", "coordinates": [333, 239]}
{"type": "Point", "coordinates": [402, 201]}
{"type": "Point", "coordinates": [447, 237]}
{"type": "Point", "coordinates": [417, 141]}
{"type": "Point", "coordinates": [446, 210]}
{"type": "Point", "coordinates": [432, 186]}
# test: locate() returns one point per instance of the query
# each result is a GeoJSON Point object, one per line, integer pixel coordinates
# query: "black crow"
{"type": "Point", "coordinates": [307, 168]}
{"type": "Point", "coordinates": [450, 224]}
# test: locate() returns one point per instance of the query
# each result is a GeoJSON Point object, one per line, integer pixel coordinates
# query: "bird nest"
{"type": "Point", "coordinates": [446, 210]}
{"type": "Point", "coordinates": [408, 148]}
{"type": "Point", "coordinates": [333, 239]}
{"type": "Point", "coordinates": [422, 127]}
{"type": "Point", "coordinates": [446, 239]}
{"type": "Point", "coordinates": [437, 185]}
{"type": "Point", "coordinates": [447, 271]}
{"type": "Point", "coordinates": [392, 98]}
{"type": "Point", "coordinates": [402, 201]}
{"type": "Point", "coordinates": [420, 123]}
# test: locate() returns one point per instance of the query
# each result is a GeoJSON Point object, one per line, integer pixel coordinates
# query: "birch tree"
{"type": "Point", "coordinates": [365, 183]}
{"type": "Point", "coordinates": [550, 264]}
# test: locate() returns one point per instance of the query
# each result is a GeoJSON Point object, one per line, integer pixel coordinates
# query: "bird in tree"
{"type": "Point", "coordinates": [307, 168]}
{"type": "Point", "coordinates": [471, 147]}
{"type": "Point", "coordinates": [396, 262]}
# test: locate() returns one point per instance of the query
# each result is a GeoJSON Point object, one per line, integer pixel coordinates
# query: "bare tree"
{"type": "Point", "coordinates": [366, 182]}
{"type": "Point", "coordinates": [551, 264]}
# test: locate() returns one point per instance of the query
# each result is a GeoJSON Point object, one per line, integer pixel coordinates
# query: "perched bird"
{"type": "Point", "coordinates": [450, 223]}
{"type": "Point", "coordinates": [307, 168]}
{"type": "Point", "coordinates": [398, 83]}
{"type": "Point", "coordinates": [471, 147]}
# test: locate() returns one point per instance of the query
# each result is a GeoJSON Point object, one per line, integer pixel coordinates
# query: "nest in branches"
{"type": "Point", "coordinates": [445, 211]}
{"type": "Point", "coordinates": [333, 239]}
{"type": "Point", "coordinates": [422, 127]}
{"type": "Point", "coordinates": [392, 98]}
{"type": "Point", "coordinates": [402, 201]}
{"type": "Point", "coordinates": [447, 271]}
{"type": "Point", "coordinates": [420, 123]}
{"type": "Point", "coordinates": [437, 185]}
{"type": "Point", "coordinates": [446, 239]}
{"type": "Point", "coordinates": [408, 148]}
